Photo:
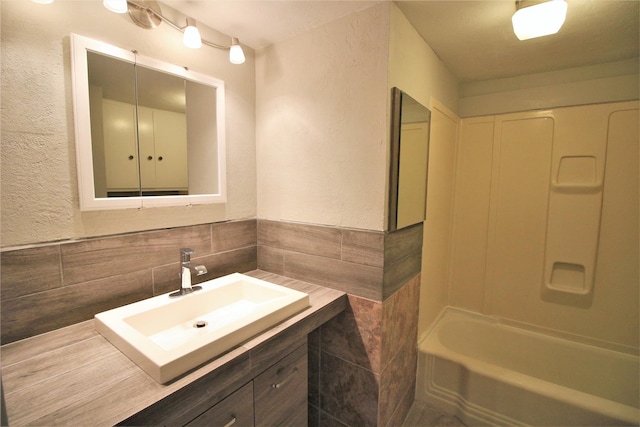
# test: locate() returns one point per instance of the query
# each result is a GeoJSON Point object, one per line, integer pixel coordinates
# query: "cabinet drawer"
{"type": "Point", "coordinates": [235, 410]}
{"type": "Point", "coordinates": [281, 392]}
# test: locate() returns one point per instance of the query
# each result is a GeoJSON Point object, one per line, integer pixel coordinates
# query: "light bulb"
{"type": "Point", "coordinates": [42, 1]}
{"type": "Point", "coordinates": [236, 54]}
{"type": "Point", "coordinates": [539, 20]}
{"type": "Point", "coordinates": [191, 36]}
{"type": "Point", "coordinates": [117, 6]}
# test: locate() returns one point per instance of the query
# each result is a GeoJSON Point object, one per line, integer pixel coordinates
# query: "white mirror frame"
{"type": "Point", "coordinates": [84, 154]}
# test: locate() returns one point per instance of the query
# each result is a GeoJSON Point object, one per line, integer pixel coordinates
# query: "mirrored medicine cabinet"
{"type": "Point", "coordinates": [148, 133]}
{"type": "Point", "coordinates": [410, 126]}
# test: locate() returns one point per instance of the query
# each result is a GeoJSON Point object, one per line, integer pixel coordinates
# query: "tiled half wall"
{"type": "Point", "coordinates": [362, 363]}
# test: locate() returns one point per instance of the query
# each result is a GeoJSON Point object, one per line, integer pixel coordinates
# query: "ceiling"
{"type": "Point", "coordinates": [474, 39]}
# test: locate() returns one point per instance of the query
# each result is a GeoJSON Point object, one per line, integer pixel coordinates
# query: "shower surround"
{"type": "Point", "coordinates": [545, 237]}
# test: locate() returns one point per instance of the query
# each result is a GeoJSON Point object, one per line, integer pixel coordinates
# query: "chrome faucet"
{"type": "Point", "coordinates": [185, 273]}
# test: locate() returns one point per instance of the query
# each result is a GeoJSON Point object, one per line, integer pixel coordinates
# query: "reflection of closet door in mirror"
{"type": "Point", "coordinates": [161, 96]}
{"type": "Point", "coordinates": [115, 153]}
{"type": "Point", "coordinates": [163, 151]}
{"type": "Point", "coordinates": [170, 131]}
{"type": "Point", "coordinates": [147, 150]}
{"type": "Point", "coordinates": [120, 152]}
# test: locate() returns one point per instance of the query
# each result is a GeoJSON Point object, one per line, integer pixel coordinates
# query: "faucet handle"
{"type": "Point", "coordinates": [185, 254]}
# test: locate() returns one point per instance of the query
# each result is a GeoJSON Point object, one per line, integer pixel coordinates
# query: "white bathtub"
{"type": "Point", "coordinates": [489, 373]}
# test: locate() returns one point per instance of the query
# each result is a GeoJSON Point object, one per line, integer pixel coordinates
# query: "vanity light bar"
{"type": "Point", "coordinates": [147, 14]}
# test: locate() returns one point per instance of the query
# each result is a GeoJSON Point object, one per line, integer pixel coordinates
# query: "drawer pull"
{"type": "Point", "coordinates": [232, 422]}
{"type": "Point", "coordinates": [286, 380]}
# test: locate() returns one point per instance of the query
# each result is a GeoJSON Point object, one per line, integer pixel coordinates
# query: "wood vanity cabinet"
{"type": "Point", "coordinates": [280, 393]}
{"type": "Point", "coordinates": [277, 397]}
{"type": "Point", "coordinates": [274, 395]}
{"type": "Point", "coordinates": [234, 410]}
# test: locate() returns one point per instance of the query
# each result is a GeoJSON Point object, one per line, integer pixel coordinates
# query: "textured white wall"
{"type": "Point", "coordinates": [39, 187]}
{"type": "Point", "coordinates": [415, 68]}
{"type": "Point", "coordinates": [322, 131]}
{"type": "Point", "coordinates": [323, 116]}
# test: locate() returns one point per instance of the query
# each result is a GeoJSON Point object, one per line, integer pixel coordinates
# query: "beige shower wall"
{"type": "Point", "coordinates": [415, 68]}
{"type": "Point", "coordinates": [518, 214]}
{"type": "Point", "coordinates": [437, 228]}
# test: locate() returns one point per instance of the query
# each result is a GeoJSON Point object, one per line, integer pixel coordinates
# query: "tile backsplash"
{"type": "Point", "coordinates": [50, 286]}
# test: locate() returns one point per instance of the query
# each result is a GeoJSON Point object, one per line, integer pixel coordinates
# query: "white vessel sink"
{"type": "Point", "coordinates": [169, 336]}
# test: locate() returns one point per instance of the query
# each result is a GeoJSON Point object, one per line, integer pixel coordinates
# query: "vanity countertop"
{"type": "Point", "coordinates": [73, 376]}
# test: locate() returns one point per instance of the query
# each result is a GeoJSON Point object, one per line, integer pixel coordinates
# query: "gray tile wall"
{"type": "Point", "coordinates": [366, 360]}
{"type": "Point", "coordinates": [51, 286]}
{"type": "Point", "coordinates": [368, 264]}
{"type": "Point", "coordinates": [363, 362]}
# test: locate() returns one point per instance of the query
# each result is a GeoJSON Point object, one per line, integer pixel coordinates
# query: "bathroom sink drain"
{"type": "Point", "coordinates": [200, 324]}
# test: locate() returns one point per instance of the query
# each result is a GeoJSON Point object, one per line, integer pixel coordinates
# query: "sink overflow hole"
{"type": "Point", "coordinates": [200, 324]}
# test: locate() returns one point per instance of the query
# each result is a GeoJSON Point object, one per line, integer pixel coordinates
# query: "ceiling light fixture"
{"type": "Point", "coordinates": [147, 14]}
{"type": "Point", "coordinates": [538, 18]}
